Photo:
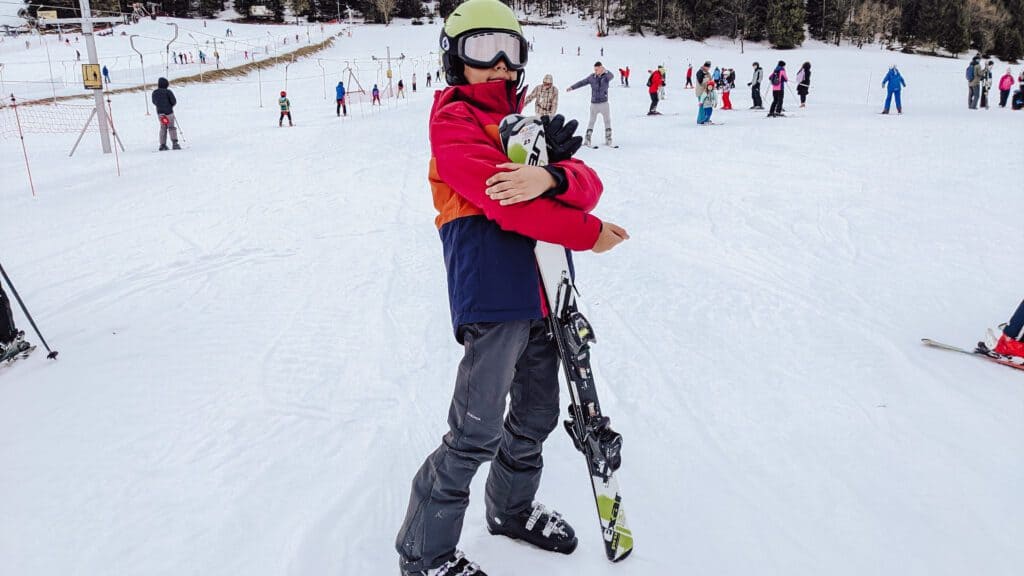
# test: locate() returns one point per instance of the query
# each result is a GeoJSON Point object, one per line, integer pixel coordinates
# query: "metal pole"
{"type": "Point", "coordinates": [142, 64]}
{"type": "Point", "coordinates": [49, 65]}
{"type": "Point", "coordinates": [21, 135]}
{"type": "Point", "coordinates": [167, 62]}
{"type": "Point", "coordinates": [323, 74]}
{"type": "Point", "coordinates": [197, 54]}
{"type": "Point", "coordinates": [90, 44]}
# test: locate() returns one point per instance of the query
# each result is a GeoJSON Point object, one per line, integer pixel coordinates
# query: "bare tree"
{"type": "Point", "coordinates": [386, 7]}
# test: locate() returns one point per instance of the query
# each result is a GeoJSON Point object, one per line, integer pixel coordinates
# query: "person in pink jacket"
{"type": "Point", "coordinates": [778, 79]}
{"type": "Point", "coordinates": [1005, 85]}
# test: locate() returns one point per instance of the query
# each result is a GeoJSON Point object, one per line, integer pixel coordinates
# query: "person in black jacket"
{"type": "Point", "coordinates": [803, 83]}
{"type": "Point", "coordinates": [164, 101]}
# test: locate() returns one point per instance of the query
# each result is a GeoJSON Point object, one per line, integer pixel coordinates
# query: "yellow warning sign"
{"type": "Point", "coordinates": [91, 77]}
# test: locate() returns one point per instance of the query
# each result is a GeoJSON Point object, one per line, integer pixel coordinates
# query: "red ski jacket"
{"type": "Point", "coordinates": [488, 248]}
{"type": "Point", "coordinates": [656, 82]}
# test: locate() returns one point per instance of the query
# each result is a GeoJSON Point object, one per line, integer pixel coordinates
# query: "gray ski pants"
{"type": "Point", "coordinates": [604, 110]}
{"type": "Point", "coordinates": [169, 127]}
{"type": "Point", "coordinates": [508, 358]}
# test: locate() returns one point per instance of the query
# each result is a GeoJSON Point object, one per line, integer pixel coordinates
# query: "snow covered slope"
{"type": "Point", "coordinates": [256, 352]}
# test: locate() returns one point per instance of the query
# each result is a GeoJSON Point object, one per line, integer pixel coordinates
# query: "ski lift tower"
{"type": "Point", "coordinates": [86, 22]}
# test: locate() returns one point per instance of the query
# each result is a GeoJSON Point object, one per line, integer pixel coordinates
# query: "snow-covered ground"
{"type": "Point", "coordinates": [256, 352]}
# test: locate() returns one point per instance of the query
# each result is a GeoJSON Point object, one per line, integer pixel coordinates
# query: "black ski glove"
{"type": "Point", "coordinates": [559, 135]}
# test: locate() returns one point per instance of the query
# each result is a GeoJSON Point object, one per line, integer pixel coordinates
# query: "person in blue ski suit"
{"type": "Point", "coordinates": [339, 96]}
{"type": "Point", "coordinates": [894, 83]}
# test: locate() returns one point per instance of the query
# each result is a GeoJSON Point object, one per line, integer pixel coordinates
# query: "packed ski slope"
{"type": "Point", "coordinates": [256, 352]}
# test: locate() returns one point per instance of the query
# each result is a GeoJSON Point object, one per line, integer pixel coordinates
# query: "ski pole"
{"type": "Point", "coordinates": [177, 125]}
{"type": "Point", "coordinates": [52, 353]}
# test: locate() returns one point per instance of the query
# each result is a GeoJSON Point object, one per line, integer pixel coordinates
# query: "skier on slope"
{"type": "Point", "coordinates": [778, 79]}
{"type": "Point", "coordinates": [803, 83]}
{"type": "Point", "coordinates": [546, 97]}
{"type": "Point", "coordinates": [598, 82]}
{"type": "Point", "coordinates": [491, 210]}
{"type": "Point", "coordinates": [164, 101]}
{"type": "Point", "coordinates": [707, 101]}
{"type": "Point", "coordinates": [286, 109]}
{"type": "Point", "coordinates": [654, 83]}
{"type": "Point", "coordinates": [12, 340]}
{"type": "Point", "coordinates": [689, 76]}
{"type": "Point", "coordinates": [894, 84]}
{"type": "Point", "coordinates": [339, 97]}
{"type": "Point", "coordinates": [1005, 85]}
{"type": "Point", "coordinates": [755, 87]}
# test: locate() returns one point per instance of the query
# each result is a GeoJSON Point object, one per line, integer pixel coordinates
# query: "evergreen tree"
{"type": "Point", "coordinates": [786, 23]}
{"type": "Point", "coordinates": [955, 29]}
{"type": "Point", "coordinates": [815, 19]}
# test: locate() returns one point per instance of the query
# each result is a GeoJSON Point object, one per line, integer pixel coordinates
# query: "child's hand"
{"type": "Point", "coordinates": [611, 236]}
{"type": "Point", "coordinates": [518, 183]}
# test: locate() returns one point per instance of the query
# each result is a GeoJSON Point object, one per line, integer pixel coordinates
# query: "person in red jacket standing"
{"type": "Point", "coordinates": [491, 212]}
{"type": "Point", "coordinates": [654, 83]}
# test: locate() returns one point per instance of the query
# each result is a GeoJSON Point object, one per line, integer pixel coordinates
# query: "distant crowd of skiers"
{"type": "Point", "coordinates": [979, 82]}
{"type": "Point", "coordinates": [711, 87]}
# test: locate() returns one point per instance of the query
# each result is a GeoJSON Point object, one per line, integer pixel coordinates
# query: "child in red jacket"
{"type": "Point", "coordinates": [491, 212]}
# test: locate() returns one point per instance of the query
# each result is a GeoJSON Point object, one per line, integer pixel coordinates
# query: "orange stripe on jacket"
{"type": "Point", "coordinates": [449, 204]}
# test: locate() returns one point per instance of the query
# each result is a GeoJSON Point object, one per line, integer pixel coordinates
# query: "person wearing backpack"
{"type": "Point", "coordinates": [755, 87]}
{"type": "Point", "coordinates": [654, 83]}
{"type": "Point", "coordinates": [778, 79]}
{"type": "Point", "coordinates": [973, 83]}
{"type": "Point", "coordinates": [803, 83]}
{"type": "Point", "coordinates": [894, 83]}
{"type": "Point", "coordinates": [1005, 85]}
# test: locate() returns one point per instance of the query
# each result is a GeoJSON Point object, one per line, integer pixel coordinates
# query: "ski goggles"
{"type": "Point", "coordinates": [484, 49]}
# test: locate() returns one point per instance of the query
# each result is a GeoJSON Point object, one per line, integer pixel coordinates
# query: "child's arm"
{"type": "Point", "coordinates": [466, 157]}
{"type": "Point", "coordinates": [583, 189]}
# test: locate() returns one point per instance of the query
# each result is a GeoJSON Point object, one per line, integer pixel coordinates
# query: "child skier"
{"type": "Point", "coordinates": [707, 101]}
{"type": "Point", "coordinates": [894, 84]}
{"type": "Point", "coordinates": [490, 214]}
{"type": "Point", "coordinates": [376, 95]}
{"type": "Point", "coordinates": [726, 88]}
{"type": "Point", "coordinates": [401, 89]}
{"type": "Point", "coordinates": [286, 109]}
{"type": "Point", "coordinates": [339, 96]}
{"type": "Point", "coordinates": [689, 75]}
{"type": "Point", "coordinates": [164, 101]}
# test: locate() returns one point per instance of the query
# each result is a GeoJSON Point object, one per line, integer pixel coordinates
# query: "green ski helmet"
{"type": "Point", "coordinates": [473, 20]}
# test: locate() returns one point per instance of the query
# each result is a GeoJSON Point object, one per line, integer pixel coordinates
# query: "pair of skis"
{"type": "Point", "coordinates": [525, 142]}
{"type": "Point", "coordinates": [587, 425]}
